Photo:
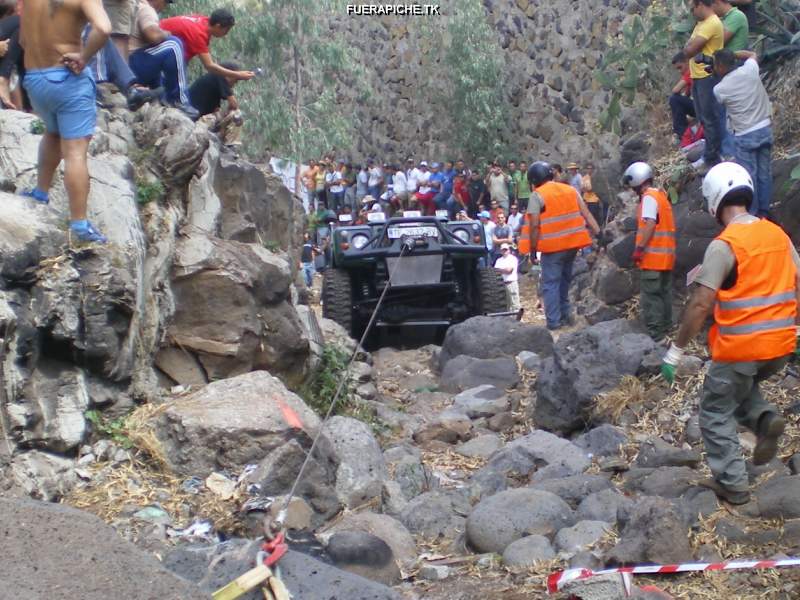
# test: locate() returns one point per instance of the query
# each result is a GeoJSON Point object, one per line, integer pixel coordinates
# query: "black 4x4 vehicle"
{"type": "Point", "coordinates": [430, 265]}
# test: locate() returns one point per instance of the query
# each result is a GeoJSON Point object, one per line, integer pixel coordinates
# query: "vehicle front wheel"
{"type": "Point", "coordinates": [337, 298]}
{"type": "Point", "coordinates": [491, 292]}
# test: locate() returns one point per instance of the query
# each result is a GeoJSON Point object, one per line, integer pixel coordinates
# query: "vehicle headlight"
{"type": "Point", "coordinates": [359, 241]}
{"type": "Point", "coordinates": [462, 234]}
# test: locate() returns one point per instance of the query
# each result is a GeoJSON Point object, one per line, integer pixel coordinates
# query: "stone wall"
{"type": "Point", "coordinates": [551, 49]}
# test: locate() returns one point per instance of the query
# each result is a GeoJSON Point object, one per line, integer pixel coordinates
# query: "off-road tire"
{"type": "Point", "coordinates": [337, 298]}
{"type": "Point", "coordinates": [491, 292]}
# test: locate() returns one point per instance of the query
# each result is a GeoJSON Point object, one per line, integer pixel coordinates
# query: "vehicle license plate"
{"type": "Point", "coordinates": [398, 232]}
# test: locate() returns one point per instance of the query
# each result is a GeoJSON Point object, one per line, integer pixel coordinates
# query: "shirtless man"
{"type": "Point", "coordinates": [63, 96]}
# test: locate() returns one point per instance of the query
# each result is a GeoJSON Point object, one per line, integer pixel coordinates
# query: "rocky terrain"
{"type": "Point", "coordinates": [155, 408]}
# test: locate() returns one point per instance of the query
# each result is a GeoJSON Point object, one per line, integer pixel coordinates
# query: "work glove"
{"type": "Point", "coordinates": [638, 255]}
{"type": "Point", "coordinates": [670, 363]}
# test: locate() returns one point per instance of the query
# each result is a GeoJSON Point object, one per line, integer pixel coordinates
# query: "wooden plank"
{"type": "Point", "coordinates": [243, 584]}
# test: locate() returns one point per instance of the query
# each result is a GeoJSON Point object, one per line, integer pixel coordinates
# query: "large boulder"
{"type": "Point", "coordinates": [539, 450]}
{"type": "Point", "coordinates": [653, 531]}
{"type": "Point", "coordinates": [233, 310]}
{"type": "Point", "coordinates": [306, 577]}
{"type": "Point", "coordinates": [242, 419]}
{"type": "Point", "coordinates": [492, 337]}
{"type": "Point", "coordinates": [465, 372]}
{"type": "Point", "coordinates": [584, 364]}
{"type": "Point", "coordinates": [43, 543]}
{"type": "Point", "coordinates": [503, 518]}
{"type": "Point", "coordinates": [390, 530]}
{"type": "Point", "coordinates": [360, 466]}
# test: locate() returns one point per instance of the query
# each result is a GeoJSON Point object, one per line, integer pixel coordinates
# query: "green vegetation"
{"type": "Point", "coordinates": [474, 69]}
{"type": "Point", "coordinates": [778, 31]}
{"type": "Point", "coordinates": [318, 393]}
{"type": "Point", "coordinates": [149, 191]}
{"type": "Point", "coordinates": [638, 59]}
{"type": "Point", "coordinates": [114, 429]}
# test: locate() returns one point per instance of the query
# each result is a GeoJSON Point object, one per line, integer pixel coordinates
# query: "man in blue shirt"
{"type": "Point", "coordinates": [442, 199]}
{"type": "Point", "coordinates": [436, 182]}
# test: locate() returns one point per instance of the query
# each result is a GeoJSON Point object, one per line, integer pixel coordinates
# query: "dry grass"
{"type": "Point", "coordinates": [119, 490]}
{"type": "Point", "coordinates": [611, 405]}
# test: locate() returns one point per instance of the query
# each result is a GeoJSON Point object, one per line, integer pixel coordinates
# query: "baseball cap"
{"type": "Point", "coordinates": [435, 165]}
{"type": "Point", "coordinates": [423, 163]}
{"type": "Point", "coordinates": [484, 214]}
{"type": "Point", "coordinates": [504, 246]}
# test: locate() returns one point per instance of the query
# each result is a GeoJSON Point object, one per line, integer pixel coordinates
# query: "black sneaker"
{"type": "Point", "coordinates": [138, 97]}
{"type": "Point", "coordinates": [770, 429]}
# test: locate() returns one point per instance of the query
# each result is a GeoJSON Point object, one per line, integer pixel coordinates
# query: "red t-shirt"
{"type": "Point", "coordinates": [687, 79]}
{"type": "Point", "coordinates": [192, 30]}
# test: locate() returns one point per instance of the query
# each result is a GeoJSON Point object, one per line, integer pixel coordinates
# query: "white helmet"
{"type": "Point", "coordinates": [722, 181]}
{"type": "Point", "coordinates": [637, 174]}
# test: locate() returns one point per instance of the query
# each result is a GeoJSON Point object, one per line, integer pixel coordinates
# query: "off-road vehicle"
{"type": "Point", "coordinates": [432, 265]}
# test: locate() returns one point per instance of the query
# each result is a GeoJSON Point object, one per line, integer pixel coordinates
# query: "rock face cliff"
{"type": "Point", "coordinates": [185, 292]}
{"type": "Point", "coordinates": [551, 49]}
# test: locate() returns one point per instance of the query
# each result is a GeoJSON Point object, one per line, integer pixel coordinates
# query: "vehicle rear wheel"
{"type": "Point", "coordinates": [491, 292]}
{"type": "Point", "coordinates": [337, 298]}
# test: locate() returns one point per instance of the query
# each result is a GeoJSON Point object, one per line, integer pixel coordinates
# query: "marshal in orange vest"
{"type": "Point", "coordinates": [659, 254]}
{"type": "Point", "coordinates": [562, 226]}
{"type": "Point", "coordinates": [755, 318]}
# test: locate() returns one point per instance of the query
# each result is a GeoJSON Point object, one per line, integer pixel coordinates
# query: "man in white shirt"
{"type": "Point", "coordinates": [334, 180]}
{"type": "Point", "coordinates": [412, 177]}
{"type": "Point", "coordinates": [507, 264]}
{"type": "Point", "coordinates": [399, 189]}
{"type": "Point", "coordinates": [488, 230]}
{"type": "Point", "coordinates": [515, 219]}
{"type": "Point", "coordinates": [749, 114]}
{"type": "Point", "coordinates": [375, 181]}
{"type": "Point", "coordinates": [425, 193]}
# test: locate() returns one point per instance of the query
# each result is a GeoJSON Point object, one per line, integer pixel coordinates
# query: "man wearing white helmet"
{"type": "Point", "coordinates": [750, 280]}
{"type": "Point", "coordinates": [655, 249]}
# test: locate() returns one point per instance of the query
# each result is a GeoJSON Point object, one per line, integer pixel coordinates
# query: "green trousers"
{"type": "Point", "coordinates": [656, 302]}
{"type": "Point", "coordinates": [731, 397]}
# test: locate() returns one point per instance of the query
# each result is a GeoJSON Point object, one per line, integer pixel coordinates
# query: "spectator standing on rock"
{"type": "Point", "coordinates": [477, 193]}
{"type": "Point", "coordinates": [707, 38]}
{"type": "Point", "coordinates": [558, 218]}
{"type": "Point", "coordinates": [749, 119]}
{"type": "Point", "coordinates": [488, 231]}
{"type": "Point", "coordinates": [515, 219]}
{"type": "Point", "coordinates": [681, 104]}
{"type": "Point", "coordinates": [375, 180]}
{"type": "Point", "coordinates": [120, 13]}
{"type": "Point", "coordinates": [655, 250]}
{"type": "Point", "coordinates": [590, 197]}
{"type": "Point", "coordinates": [362, 183]}
{"type": "Point", "coordinates": [735, 24]}
{"type": "Point", "coordinates": [508, 265]}
{"type": "Point", "coordinates": [750, 281]}
{"type": "Point", "coordinates": [523, 187]}
{"type": "Point", "coordinates": [497, 184]}
{"type": "Point", "coordinates": [574, 178]}
{"type": "Point", "coordinates": [11, 56]}
{"type": "Point", "coordinates": [513, 177]}
{"type": "Point", "coordinates": [502, 234]}
{"type": "Point", "coordinates": [307, 254]}
{"type": "Point", "coordinates": [63, 96]}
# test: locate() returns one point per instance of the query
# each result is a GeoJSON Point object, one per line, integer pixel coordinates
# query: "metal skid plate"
{"type": "Point", "coordinates": [415, 270]}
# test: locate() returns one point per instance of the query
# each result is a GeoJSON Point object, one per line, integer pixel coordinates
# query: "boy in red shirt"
{"type": "Point", "coordinates": [680, 101]}
{"type": "Point", "coordinates": [195, 33]}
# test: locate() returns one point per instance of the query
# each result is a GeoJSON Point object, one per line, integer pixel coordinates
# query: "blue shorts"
{"type": "Point", "coordinates": [63, 100]}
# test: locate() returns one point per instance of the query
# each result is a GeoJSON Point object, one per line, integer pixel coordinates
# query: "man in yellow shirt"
{"type": "Point", "coordinates": [708, 37]}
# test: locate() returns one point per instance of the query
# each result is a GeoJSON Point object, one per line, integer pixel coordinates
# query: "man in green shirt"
{"type": "Point", "coordinates": [735, 23]}
{"type": "Point", "coordinates": [523, 187]}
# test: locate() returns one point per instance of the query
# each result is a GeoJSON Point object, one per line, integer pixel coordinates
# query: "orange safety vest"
{"type": "Point", "coordinates": [562, 225]}
{"type": "Point", "coordinates": [524, 244]}
{"type": "Point", "coordinates": [659, 254]}
{"type": "Point", "coordinates": [755, 319]}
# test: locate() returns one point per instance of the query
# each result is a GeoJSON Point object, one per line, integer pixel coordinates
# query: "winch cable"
{"type": "Point", "coordinates": [407, 246]}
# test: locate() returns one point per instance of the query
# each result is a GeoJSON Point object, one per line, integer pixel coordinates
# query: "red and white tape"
{"type": "Point", "coordinates": [558, 579]}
